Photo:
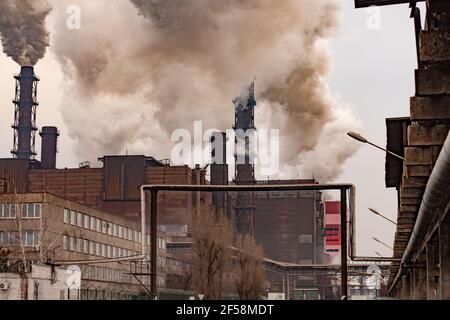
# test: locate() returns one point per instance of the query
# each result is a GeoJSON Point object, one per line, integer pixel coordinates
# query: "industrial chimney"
{"type": "Point", "coordinates": [49, 147]}
{"type": "Point", "coordinates": [25, 104]}
{"type": "Point", "coordinates": [244, 163]}
{"type": "Point", "coordinates": [219, 168]}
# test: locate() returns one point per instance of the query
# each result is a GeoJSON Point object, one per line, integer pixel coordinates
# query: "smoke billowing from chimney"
{"type": "Point", "coordinates": [157, 65]}
{"type": "Point", "coordinates": [22, 29]}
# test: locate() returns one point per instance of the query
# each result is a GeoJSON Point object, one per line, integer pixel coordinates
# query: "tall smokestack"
{"type": "Point", "coordinates": [219, 167]}
{"type": "Point", "coordinates": [49, 147]}
{"type": "Point", "coordinates": [25, 103]}
{"type": "Point", "coordinates": [244, 163]}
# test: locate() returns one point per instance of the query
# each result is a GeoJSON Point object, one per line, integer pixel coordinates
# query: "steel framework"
{"type": "Point", "coordinates": [154, 189]}
{"type": "Point", "coordinates": [25, 103]}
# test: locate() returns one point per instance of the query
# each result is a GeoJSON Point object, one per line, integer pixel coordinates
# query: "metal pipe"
{"type": "Point", "coordinates": [153, 244]}
{"type": "Point", "coordinates": [310, 187]}
{"type": "Point", "coordinates": [281, 187]}
{"type": "Point", "coordinates": [344, 279]}
{"type": "Point", "coordinates": [288, 288]}
{"type": "Point", "coordinates": [352, 231]}
{"type": "Point", "coordinates": [435, 191]}
{"type": "Point", "coordinates": [210, 188]}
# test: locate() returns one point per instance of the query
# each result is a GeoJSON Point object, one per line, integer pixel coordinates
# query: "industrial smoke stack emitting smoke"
{"type": "Point", "coordinates": [184, 61]}
{"type": "Point", "coordinates": [25, 104]}
{"type": "Point", "coordinates": [22, 29]}
{"type": "Point", "coordinates": [25, 39]}
{"type": "Point", "coordinates": [164, 64]}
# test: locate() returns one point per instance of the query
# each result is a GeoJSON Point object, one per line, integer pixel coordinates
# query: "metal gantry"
{"type": "Point", "coordinates": [154, 189]}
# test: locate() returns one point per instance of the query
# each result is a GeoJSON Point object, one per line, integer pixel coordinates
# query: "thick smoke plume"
{"type": "Point", "coordinates": [138, 69]}
{"type": "Point", "coordinates": [22, 28]}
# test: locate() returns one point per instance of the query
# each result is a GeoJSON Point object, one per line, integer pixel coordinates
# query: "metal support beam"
{"type": "Point", "coordinates": [154, 242]}
{"type": "Point", "coordinates": [344, 280]}
{"type": "Point", "coordinates": [415, 13]}
{"type": "Point", "coordinates": [444, 259]}
{"type": "Point", "coordinates": [431, 271]}
{"type": "Point", "coordinates": [234, 188]}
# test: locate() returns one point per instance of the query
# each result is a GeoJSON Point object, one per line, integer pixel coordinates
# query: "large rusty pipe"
{"type": "Point", "coordinates": [435, 192]}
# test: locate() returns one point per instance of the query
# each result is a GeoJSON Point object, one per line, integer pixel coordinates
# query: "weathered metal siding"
{"type": "Point", "coordinates": [397, 140]}
{"type": "Point", "coordinates": [79, 185]}
{"type": "Point", "coordinates": [219, 168]}
{"type": "Point", "coordinates": [123, 177]}
{"type": "Point", "coordinates": [86, 186]}
{"type": "Point", "coordinates": [14, 172]}
{"type": "Point", "coordinates": [175, 207]}
{"type": "Point", "coordinates": [285, 226]}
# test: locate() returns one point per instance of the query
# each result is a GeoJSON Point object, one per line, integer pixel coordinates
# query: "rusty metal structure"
{"type": "Point", "coordinates": [244, 160]}
{"type": "Point", "coordinates": [219, 168]}
{"type": "Point", "coordinates": [297, 236]}
{"type": "Point", "coordinates": [154, 190]}
{"type": "Point", "coordinates": [422, 269]}
{"type": "Point", "coordinates": [49, 147]}
{"type": "Point", "coordinates": [25, 103]}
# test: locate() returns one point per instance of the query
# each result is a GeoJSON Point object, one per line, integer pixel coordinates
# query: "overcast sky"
{"type": "Point", "coordinates": [373, 72]}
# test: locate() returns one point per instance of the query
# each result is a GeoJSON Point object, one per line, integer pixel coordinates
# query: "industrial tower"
{"type": "Point", "coordinates": [25, 103]}
{"type": "Point", "coordinates": [244, 159]}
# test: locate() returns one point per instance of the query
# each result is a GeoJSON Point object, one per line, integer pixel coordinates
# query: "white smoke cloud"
{"type": "Point", "coordinates": [22, 29]}
{"type": "Point", "coordinates": [139, 69]}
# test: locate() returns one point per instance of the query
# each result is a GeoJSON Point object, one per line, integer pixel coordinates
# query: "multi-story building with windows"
{"type": "Point", "coordinates": [42, 228]}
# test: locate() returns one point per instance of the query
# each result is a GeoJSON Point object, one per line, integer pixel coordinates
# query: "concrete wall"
{"type": "Point", "coordinates": [37, 285]}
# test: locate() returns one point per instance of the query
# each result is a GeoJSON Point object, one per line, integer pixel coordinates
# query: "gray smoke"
{"type": "Point", "coordinates": [22, 28]}
{"type": "Point", "coordinates": [139, 69]}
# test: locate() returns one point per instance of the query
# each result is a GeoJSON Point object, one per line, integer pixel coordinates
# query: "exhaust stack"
{"type": "Point", "coordinates": [219, 168]}
{"type": "Point", "coordinates": [25, 104]}
{"type": "Point", "coordinates": [49, 147]}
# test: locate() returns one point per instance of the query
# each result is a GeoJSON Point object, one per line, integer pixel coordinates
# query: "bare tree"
{"type": "Point", "coordinates": [20, 250]}
{"type": "Point", "coordinates": [248, 266]}
{"type": "Point", "coordinates": [212, 239]}
{"type": "Point", "coordinates": [186, 280]}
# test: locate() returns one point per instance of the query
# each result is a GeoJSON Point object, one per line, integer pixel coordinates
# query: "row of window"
{"type": "Point", "coordinates": [29, 238]}
{"type": "Point", "coordinates": [101, 250]}
{"type": "Point", "coordinates": [95, 248]}
{"type": "Point", "coordinates": [106, 274]}
{"type": "Point", "coordinates": [162, 243]}
{"type": "Point", "coordinates": [85, 221]}
{"type": "Point", "coordinates": [92, 223]}
{"type": "Point", "coordinates": [284, 194]}
{"type": "Point", "coordinates": [112, 275]}
{"type": "Point", "coordinates": [29, 210]}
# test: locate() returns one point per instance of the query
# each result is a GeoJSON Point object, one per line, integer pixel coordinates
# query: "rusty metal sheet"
{"type": "Point", "coordinates": [397, 140]}
{"type": "Point", "coordinates": [14, 172]}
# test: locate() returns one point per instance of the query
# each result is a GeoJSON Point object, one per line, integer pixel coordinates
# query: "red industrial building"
{"type": "Point", "coordinates": [333, 229]}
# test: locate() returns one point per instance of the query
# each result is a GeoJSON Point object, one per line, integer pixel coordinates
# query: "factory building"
{"type": "Point", "coordinates": [288, 225]}
{"type": "Point", "coordinates": [333, 228]}
{"type": "Point", "coordinates": [49, 215]}
{"type": "Point", "coordinates": [39, 228]}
